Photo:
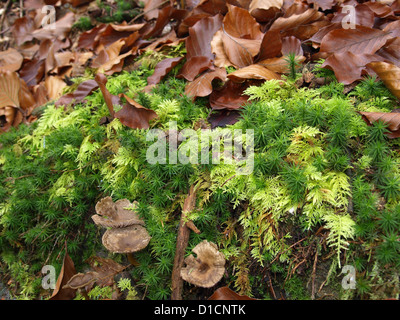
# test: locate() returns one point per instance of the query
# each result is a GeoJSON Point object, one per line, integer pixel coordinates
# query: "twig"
{"type": "Point", "coordinates": [3, 15]}
{"type": "Point", "coordinates": [181, 244]}
{"type": "Point", "coordinates": [313, 275]}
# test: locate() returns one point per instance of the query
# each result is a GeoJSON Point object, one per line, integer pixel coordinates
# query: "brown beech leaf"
{"type": "Point", "coordinates": [110, 60]}
{"type": "Point", "coordinates": [392, 119]}
{"type": "Point", "coordinates": [134, 115]}
{"type": "Point", "coordinates": [237, 53]}
{"type": "Point", "coordinates": [318, 36]}
{"type": "Point", "coordinates": [222, 118]}
{"type": "Point", "coordinates": [217, 47]}
{"type": "Point", "coordinates": [264, 10]}
{"type": "Point", "coordinates": [393, 28]}
{"type": "Point", "coordinates": [389, 74]}
{"type": "Point", "coordinates": [323, 4]}
{"type": "Point", "coordinates": [239, 23]}
{"type": "Point", "coordinates": [22, 29]}
{"type": "Point", "coordinates": [200, 36]}
{"type": "Point", "coordinates": [87, 39]}
{"type": "Point", "coordinates": [194, 66]}
{"type": "Point", "coordinates": [10, 60]}
{"type": "Point", "coordinates": [278, 65]}
{"type": "Point", "coordinates": [32, 71]}
{"type": "Point", "coordinates": [291, 45]}
{"type": "Point", "coordinates": [9, 89]}
{"type": "Point", "coordinates": [286, 23]}
{"type": "Point", "coordinates": [225, 293]}
{"type": "Point", "coordinates": [102, 273]}
{"type": "Point", "coordinates": [54, 86]}
{"type": "Point", "coordinates": [254, 71]}
{"type": "Point", "coordinates": [26, 99]}
{"type": "Point", "coordinates": [381, 10]}
{"type": "Point", "coordinates": [391, 51]}
{"type": "Point", "coordinates": [162, 69]}
{"type": "Point", "coordinates": [81, 92]}
{"type": "Point", "coordinates": [349, 67]}
{"type": "Point", "coordinates": [202, 85]}
{"type": "Point", "coordinates": [67, 272]}
{"type": "Point", "coordinates": [109, 99]}
{"type": "Point", "coordinates": [364, 16]}
{"type": "Point", "coordinates": [271, 45]}
{"type": "Point", "coordinates": [230, 96]}
{"type": "Point", "coordinates": [150, 8]}
{"type": "Point", "coordinates": [360, 40]}
{"type": "Point", "coordinates": [61, 29]}
{"type": "Point", "coordinates": [163, 18]}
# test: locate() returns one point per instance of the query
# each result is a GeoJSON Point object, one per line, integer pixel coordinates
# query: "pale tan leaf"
{"type": "Point", "coordinates": [389, 74]}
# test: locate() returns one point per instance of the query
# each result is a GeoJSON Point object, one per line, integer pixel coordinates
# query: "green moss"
{"type": "Point", "coordinates": [313, 153]}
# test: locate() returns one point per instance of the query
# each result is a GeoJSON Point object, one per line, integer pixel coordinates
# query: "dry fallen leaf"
{"type": "Point", "coordinates": [202, 85]}
{"type": "Point", "coordinates": [254, 71]}
{"type": "Point", "coordinates": [10, 60]}
{"type": "Point", "coordinates": [225, 293]}
{"type": "Point", "coordinates": [392, 119]}
{"type": "Point", "coordinates": [389, 74]}
{"type": "Point", "coordinates": [67, 272]}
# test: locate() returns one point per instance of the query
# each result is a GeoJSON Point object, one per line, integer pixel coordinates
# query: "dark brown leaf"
{"type": "Point", "coordinates": [162, 69]}
{"type": "Point", "coordinates": [134, 115]}
{"type": "Point", "coordinates": [196, 65]}
{"type": "Point", "coordinates": [361, 40]}
{"type": "Point", "coordinates": [67, 272]}
{"type": "Point", "coordinates": [225, 293]}
{"type": "Point", "coordinates": [202, 85]}
{"type": "Point", "coordinates": [392, 119]}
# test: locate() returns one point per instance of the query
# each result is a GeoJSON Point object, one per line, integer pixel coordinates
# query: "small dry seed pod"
{"type": "Point", "coordinates": [125, 240]}
{"type": "Point", "coordinates": [116, 215]}
{"type": "Point", "coordinates": [207, 269]}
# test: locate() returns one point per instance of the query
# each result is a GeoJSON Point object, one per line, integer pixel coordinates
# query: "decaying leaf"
{"type": "Point", "coordinates": [67, 273]}
{"type": "Point", "coordinates": [254, 71]}
{"type": "Point", "coordinates": [392, 119]}
{"type": "Point", "coordinates": [224, 293]}
{"type": "Point", "coordinates": [389, 74]}
{"type": "Point", "coordinates": [202, 85]}
{"type": "Point", "coordinates": [162, 69]}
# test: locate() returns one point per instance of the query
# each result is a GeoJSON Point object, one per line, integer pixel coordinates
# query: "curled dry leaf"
{"type": "Point", "coordinates": [264, 10]}
{"type": "Point", "coordinates": [349, 67]}
{"type": "Point", "coordinates": [67, 272]}
{"type": "Point", "coordinates": [392, 119]}
{"type": "Point", "coordinates": [230, 96]}
{"type": "Point", "coordinates": [254, 71]}
{"type": "Point", "coordinates": [195, 66]}
{"type": "Point", "coordinates": [110, 60]}
{"type": "Point", "coordinates": [202, 85]}
{"type": "Point", "coordinates": [54, 86]}
{"type": "Point", "coordinates": [271, 45]}
{"type": "Point", "coordinates": [10, 60]}
{"type": "Point", "coordinates": [284, 24]}
{"type": "Point", "coordinates": [200, 36]}
{"type": "Point", "coordinates": [134, 115]}
{"type": "Point", "coordinates": [81, 92]}
{"type": "Point", "coordinates": [9, 89]}
{"type": "Point", "coordinates": [217, 47]}
{"type": "Point", "coordinates": [225, 293]}
{"type": "Point", "coordinates": [162, 69]}
{"type": "Point", "coordinates": [239, 23]}
{"type": "Point", "coordinates": [389, 74]}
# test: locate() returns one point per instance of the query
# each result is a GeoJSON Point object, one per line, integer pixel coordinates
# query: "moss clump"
{"type": "Point", "coordinates": [314, 155]}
